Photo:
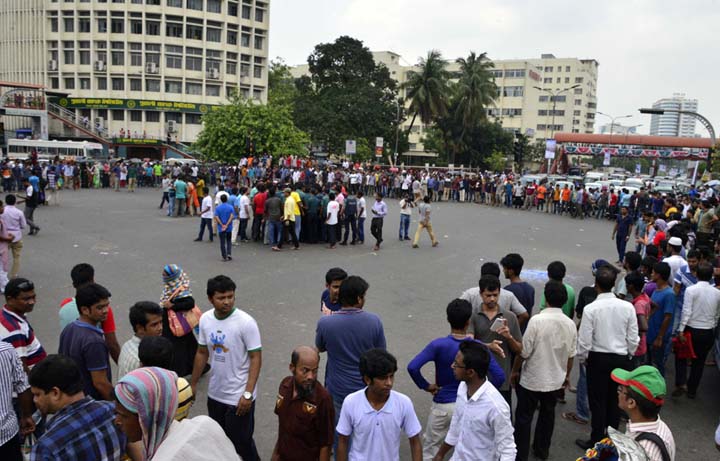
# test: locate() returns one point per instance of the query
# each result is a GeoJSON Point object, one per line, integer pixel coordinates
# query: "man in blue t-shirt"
{"type": "Point", "coordinates": [345, 336]}
{"type": "Point", "coordinates": [442, 352]}
{"type": "Point", "coordinates": [180, 187]}
{"type": "Point", "coordinates": [512, 265]}
{"type": "Point", "coordinates": [329, 301]}
{"type": "Point", "coordinates": [224, 215]}
{"type": "Point", "coordinates": [621, 232]}
{"type": "Point", "coordinates": [661, 317]}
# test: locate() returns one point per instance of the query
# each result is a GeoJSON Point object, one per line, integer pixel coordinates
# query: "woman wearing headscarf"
{"type": "Point", "coordinates": [180, 317]}
{"type": "Point", "coordinates": [146, 401]}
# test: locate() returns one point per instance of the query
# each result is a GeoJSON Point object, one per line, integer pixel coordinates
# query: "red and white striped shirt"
{"type": "Point", "coordinates": [657, 427]}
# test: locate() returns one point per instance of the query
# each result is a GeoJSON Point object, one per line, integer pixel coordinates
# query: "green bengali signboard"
{"type": "Point", "coordinates": [138, 141]}
{"type": "Point", "coordinates": [133, 104]}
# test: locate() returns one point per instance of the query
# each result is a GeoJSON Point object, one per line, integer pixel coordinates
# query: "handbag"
{"type": "Point", "coordinates": [183, 323]}
{"type": "Point", "coordinates": [684, 350]}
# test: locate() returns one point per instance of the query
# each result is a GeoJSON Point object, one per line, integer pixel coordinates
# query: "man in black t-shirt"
{"type": "Point", "coordinates": [31, 202]}
{"type": "Point", "coordinates": [350, 218]}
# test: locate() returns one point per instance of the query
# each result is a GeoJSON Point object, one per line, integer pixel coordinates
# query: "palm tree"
{"type": "Point", "coordinates": [427, 89]}
{"type": "Point", "coordinates": [474, 91]}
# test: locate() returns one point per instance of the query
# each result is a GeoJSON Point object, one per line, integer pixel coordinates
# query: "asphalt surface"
{"type": "Point", "coordinates": [128, 240]}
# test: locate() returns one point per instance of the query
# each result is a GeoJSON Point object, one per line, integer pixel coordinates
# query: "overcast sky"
{"type": "Point", "coordinates": [647, 49]}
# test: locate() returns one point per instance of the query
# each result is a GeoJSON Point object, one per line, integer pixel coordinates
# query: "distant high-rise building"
{"type": "Point", "coordinates": [674, 123]}
{"type": "Point", "coordinates": [617, 129]}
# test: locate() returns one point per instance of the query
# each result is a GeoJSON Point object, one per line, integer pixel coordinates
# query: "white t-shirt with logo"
{"type": "Point", "coordinates": [333, 209]}
{"type": "Point", "coordinates": [207, 204]}
{"type": "Point", "coordinates": [228, 342]}
{"type": "Point", "coordinates": [361, 206]}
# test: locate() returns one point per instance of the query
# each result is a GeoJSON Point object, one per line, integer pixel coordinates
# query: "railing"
{"type": "Point", "coordinates": [76, 121]}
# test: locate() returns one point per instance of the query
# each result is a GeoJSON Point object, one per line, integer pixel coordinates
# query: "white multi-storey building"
{"type": "Point", "coordinates": [140, 66]}
{"type": "Point", "coordinates": [674, 123]}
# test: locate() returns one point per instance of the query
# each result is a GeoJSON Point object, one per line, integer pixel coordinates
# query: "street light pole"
{"type": "Point", "coordinates": [397, 128]}
{"type": "Point", "coordinates": [553, 97]}
{"type": "Point", "coordinates": [703, 120]}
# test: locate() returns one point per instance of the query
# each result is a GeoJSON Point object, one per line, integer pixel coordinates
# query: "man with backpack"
{"type": "Point", "coordinates": [350, 208]}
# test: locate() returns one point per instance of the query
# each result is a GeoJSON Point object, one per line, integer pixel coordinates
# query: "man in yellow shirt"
{"type": "Point", "coordinates": [290, 218]}
{"type": "Point", "coordinates": [297, 210]}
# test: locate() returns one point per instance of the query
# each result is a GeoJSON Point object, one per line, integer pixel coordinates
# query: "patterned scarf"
{"type": "Point", "coordinates": [152, 394]}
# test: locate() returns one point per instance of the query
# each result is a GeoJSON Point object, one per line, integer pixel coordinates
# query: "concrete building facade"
{"type": "Point", "coordinates": [524, 103]}
{"type": "Point", "coordinates": [673, 123]}
{"type": "Point", "coordinates": [141, 66]}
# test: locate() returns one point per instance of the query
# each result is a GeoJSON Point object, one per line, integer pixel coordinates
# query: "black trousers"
{"type": "Point", "coordinates": [311, 231]}
{"type": "Point", "coordinates": [258, 228]}
{"type": "Point", "coordinates": [602, 392]}
{"type": "Point", "coordinates": [289, 231]}
{"type": "Point", "coordinates": [702, 341]}
{"type": "Point", "coordinates": [527, 402]}
{"type": "Point", "coordinates": [376, 226]}
{"type": "Point", "coordinates": [350, 222]}
{"type": "Point", "coordinates": [10, 450]}
{"type": "Point", "coordinates": [331, 230]}
{"type": "Point", "coordinates": [239, 429]}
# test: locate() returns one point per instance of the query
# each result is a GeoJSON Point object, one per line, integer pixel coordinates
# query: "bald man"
{"type": "Point", "coordinates": [305, 411]}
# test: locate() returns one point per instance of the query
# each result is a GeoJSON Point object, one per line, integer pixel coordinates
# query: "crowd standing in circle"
{"type": "Point", "coordinates": [663, 300]}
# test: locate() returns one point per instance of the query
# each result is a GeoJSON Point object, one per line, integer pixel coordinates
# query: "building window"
{"type": "Point", "coordinates": [515, 73]}
{"type": "Point", "coordinates": [135, 84]}
{"type": "Point", "coordinates": [212, 90]}
{"type": "Point", "coordinates": [173, 86]}
{"type": "Point", "coordinates": [232, 37]}
{"type": "Point", "coordinates": [193, 63]}
{"type": "Point", "coordinates": [257, 71]}
{"type": "Point", "coordinates": [259, 42]}
{"type": "Point", "coordinates": [102, 83]}
{"type": "Point", "coordinates": [567, 68]}
{"type": "Point", "coordinates": [576, 112]}
{"type": "Point", "coordinates": [195, 5]}
{"type": "Point", "coordinates": [230, 91]}
{"type": "Point", "coordinates": [541, 127]}
{"type": "Point", "coordinates": [174, 30]}
{"type": "Point", "coordinates": [245, 40]}
{"type": "Point", "coordinates": [152, 86]}
{"type": "Point", "coordinates": [152, 117]}
{"type": "Point", "coordinates": [173, 61]}
{"type": "Point", "coordinates": [84, 25]}
{"type": "Point", "coordinates": [543, 98]}
{"type": "Point", "coordinates": [214, 35]}
{"type": "Point", "coordinates": [69, 24]}
{"type": "Point", "coordinates": [118, 58]}
{"type": "Point", "coordinates": [118, 84]}
{"type": "Point", "coordinates": [512, 91]}
{"type": "Point", "coordinates": [84, 56]}
{"type": "Point", "coordinates": [153, 28]}
{"type": "Point", "coordinates": [578, 102]}
{"type": "Point", "coordinates": [175, 3]}
{"type": "Point", "coordinates": [55, 83]}
{"type": "Point", "coordinates": [117, 26]}
{"type": "Point", "coordinates": [578, 91]}
{"type": "Point", "coordinates": [578, 79]}
{"type": "Point", "coordinates": [118, 115]}
{"type": "Point", "coordinates": [193, 88]}
{"type": "Point", "coordinates": [193, 119]}
{"type": "Point", "coordinates": [136, 59]}
{"type": "Point", "coordinates": [136, 116]}
{"type": "Point", "coordinates": [548, 69]}
{"type": "Point", "coordinates": [232, 9]}
{"type": "Point", "coordinates": [53, 24]}
{"type": "Point", "coordinates": [84, 83]}
{"type": "Point", "coordinates": [244, 70]}
{"type": "Point", "coordinates": [214, 6]}
{"type": "Point", "coordinates": [136, 27]}
{"type": "Point", "coordinates": [567, 79]}
{"type": "Point", "coordinates": [194, 32]}
{"type": "Point", "coordinates": [547, 80]}
{"type": "Point", "coordinates": [69, 57]}
{"type": "Point", "coordinates": [102, 25]}
{"type": "Point", "coordinates": [246, 12]}
{"type": "Point", "coordinates": [231, 68]}
{"type": "Point", "coordinates": [257, 94]}
{"type": "Point", "coordinates": [259, 15]}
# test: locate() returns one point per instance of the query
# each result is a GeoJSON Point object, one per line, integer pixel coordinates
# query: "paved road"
{"type": "Point", "coordinates": [128, 240]}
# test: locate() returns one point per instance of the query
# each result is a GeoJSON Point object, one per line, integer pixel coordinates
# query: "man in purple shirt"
{"type": "Point", "coordinates": [13, 223]}
{"type": "Point", "coordinates": [379, 211]}
{"type": "Point", "coordinates": [442, 352]}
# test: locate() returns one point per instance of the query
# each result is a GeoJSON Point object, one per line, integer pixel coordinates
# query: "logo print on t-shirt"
{"type": "Point", "coordinates": [218, 345]}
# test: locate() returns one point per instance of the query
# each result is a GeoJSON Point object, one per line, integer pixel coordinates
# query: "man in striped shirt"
{"type": "Point", "coordinates": [641, 394]}
{"type": "Point", "coordinates": [14, 327]}
{"type": "Point", "coordinates": [13, 381]}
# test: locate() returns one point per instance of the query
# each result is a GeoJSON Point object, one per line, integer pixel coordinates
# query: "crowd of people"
{"type": "Point", "coordinates": [500, 347]}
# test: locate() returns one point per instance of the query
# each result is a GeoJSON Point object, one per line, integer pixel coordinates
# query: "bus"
{"type": "Point", "coordinates": [22, 149]}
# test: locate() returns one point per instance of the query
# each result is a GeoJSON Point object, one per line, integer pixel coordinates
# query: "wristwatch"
{"type": "Point", "coordinates": [247, 395]}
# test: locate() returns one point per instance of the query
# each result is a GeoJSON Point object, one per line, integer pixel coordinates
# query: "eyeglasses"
{"type": "Point", "coordinates": [457, 365]}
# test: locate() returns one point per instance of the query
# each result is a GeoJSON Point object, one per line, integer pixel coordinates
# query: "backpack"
{"type": "Point", "coordinates": [657, 441]}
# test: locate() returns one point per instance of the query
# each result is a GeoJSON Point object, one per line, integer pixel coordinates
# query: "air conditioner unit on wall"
{"type": "Point", "coordinates": [52, 65]}
{"type": "Point", "coordinates": [213, 74]}
{"type": "Point", "coordinates": [172, 126]}
{"type": "Point", "coordinates": [100, 65]}
{"type": "Point", "coordinates": [151, 68]}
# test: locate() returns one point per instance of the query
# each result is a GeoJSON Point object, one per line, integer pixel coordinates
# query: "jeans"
{"type": "Point", "coordinates": [298, 226]}
{"type": "Point", "coordinates": [180, 206]}
{"type": "Point", "coordinates": [205, 222]}
{"type": "Point", "coordinates": [702, 341]}
{"type": "Point", "coordinates": [404, 226]}
{"type": "Point", "coordinates": [350, 223]}
{"type": "Point", "coordinates": [361, 229]}
{"type": "Point", "coordinates": [658, 357]}
{"type": "Point", "coordinates": [602, 392]}
{"type": "Point", "coordinates": [243, 229]}
{"type": "Point", "coordinates": [275, 232]}
{"type": "Point", "coordinates": [225, 243]}
{"type": "Point", "coordinates": [171, 205]}
{"type": "Point", "coordinates": [239, 429]}
{"type": "Point", "coordinates": [621, 244]}
{"type": "Point", "coordinates": [527, 402]}
{"type": "Point", "coordinates": [582, 407]}
{"type": "Point", "coordinates": [28, 212]}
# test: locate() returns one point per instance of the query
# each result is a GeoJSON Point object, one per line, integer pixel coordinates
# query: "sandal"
{"type": "Point", "coordinates": [574, 418]}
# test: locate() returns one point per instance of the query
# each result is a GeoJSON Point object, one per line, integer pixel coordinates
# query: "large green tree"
{"type": "Point", "coordinates": [347, 96]}
{"type": "Point", "coordinates": [427, 89]}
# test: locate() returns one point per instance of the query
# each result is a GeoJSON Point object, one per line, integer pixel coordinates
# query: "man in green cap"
{"type": "Point", "coordinates": [641, 395]}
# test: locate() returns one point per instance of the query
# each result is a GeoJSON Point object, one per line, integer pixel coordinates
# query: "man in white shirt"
{"type": "Point", "coordinates": [481, 428]}
{"type": "Point", "coordinates": [700, 312]}
{"type": "Point", "coordinates": [206, 215]}
{"type": "Point", "coordinates": [641, 395]}
{"type": "Point", "coordinates": [331, 219]}
{"type": "Point", "coordinates": [244, 212]}
{"type": "Point", "coordinates": [608, 336]}
{"type": "Point", "coordinates": [549, 345]}
{"type": "Point", "coordinates": [230, 339]}
{"type": "Point", "coordinates": [372, 419]}
{"type": "Point", "coordinates": [362, 214]}
{"type": "Point", "coordinates": [507, 299]}
{"type": "Point", "coordinates": [406, 206]}
{"type": "Point", "coordinates": [675, 261]}
{"type": "Point", "coordinates": [145, 320]}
